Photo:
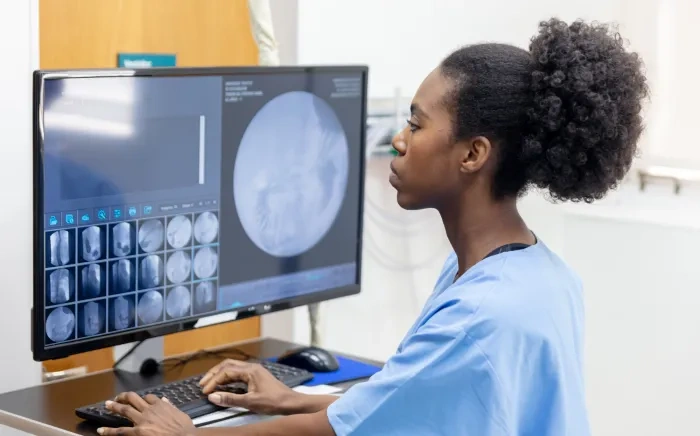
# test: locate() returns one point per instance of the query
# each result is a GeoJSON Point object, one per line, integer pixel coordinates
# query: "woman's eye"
{"type": "Point", "coordinates": [412, 126]}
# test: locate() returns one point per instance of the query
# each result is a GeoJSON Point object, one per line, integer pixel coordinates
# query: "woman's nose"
{"type": "Point", "coordinates": [399, 143]}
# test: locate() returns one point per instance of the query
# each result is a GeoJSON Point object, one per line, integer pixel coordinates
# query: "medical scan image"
{"type": "Point", "coordinates": [60, 324]}
{"type": "Point", "coordinates": [151, 235]}
{"type": "Point", "coordinates": [92, 243]}
{"type": "Point", "coordinates": [123, 239]}
{"type": "Point", "coordinates": [289, 181]}
{"type": "Point", "coordinates": [178, 267]}
{"type": "Point", "coordinates": [91, 283]}
{"type": "Point", "coordinates": [206, 228]}
{"type": "Point", "coordinates": [150, 271]}
{"type": "Point", "coordinates": [150, 307]}
{"type": "Point", "coordinates": [59, 247]}
{"type": "Point", "coordinates": [204, 298]}
{"type": "Point", "coordinates": [179, 231]}
{"type": "Point", "coordinates": [177, 303]}
{"type": "Point", "coordinates": [121, 276]}
{"type": "Point", "coordinates": [61, 285]}
{"type": "Point", "coordinates": [91, 318]}
{"type": "Point", "coordinates": [122, 310]}
{"type": "Point", "coordinates": [205, 262]}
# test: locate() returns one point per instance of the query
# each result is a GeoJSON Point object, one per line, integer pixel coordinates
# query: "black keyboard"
{"type": "Point", "coordinates": [187, 395]}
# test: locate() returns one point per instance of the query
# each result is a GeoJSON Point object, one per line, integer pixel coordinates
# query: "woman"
{"type": "Point", "coordinates": [498, 347]}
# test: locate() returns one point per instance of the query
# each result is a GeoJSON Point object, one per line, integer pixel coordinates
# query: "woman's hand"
{"type": "Point", "coordinates": [151, 416]}
{"type": "Point", "coordinates": [266, 394]}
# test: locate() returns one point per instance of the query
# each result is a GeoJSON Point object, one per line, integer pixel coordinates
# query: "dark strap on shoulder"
{"type": "Point", "coordinates": [506, 248]}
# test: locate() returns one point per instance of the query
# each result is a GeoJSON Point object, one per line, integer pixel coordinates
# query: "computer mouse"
{"type": "Point", "coordinates": [311, 359]}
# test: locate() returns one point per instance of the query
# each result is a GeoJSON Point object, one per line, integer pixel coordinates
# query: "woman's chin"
{"type": "Point", "coordinates": [406, 202]}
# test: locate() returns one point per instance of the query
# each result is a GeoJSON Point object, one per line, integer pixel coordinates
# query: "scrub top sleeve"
{"type": "Point", "coordinates": [437, 369]}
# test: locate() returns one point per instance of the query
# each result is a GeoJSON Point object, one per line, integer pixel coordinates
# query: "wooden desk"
{"type": "Point", "coordinates": [49, 409]}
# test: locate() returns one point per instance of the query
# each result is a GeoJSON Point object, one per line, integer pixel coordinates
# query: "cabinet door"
{"type": "Point", "coordinates": [90, 34]}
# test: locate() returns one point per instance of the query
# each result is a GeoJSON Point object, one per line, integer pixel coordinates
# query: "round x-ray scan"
{"type": "Point", "coordinates": [206, 228]}
{"type": "Point", "coordinates": [179, 231]}
{"type": "Point", "coordinates": [150, 307]}
{"type": "Point", "coordinates": [60, 324]}
{"type": "Point", "coordinates": [205, 262]}
{"type": "Point", "coordinates": [178, 267]}
{"type": "Point", "coordinates": [177, 303]}
{"type": "Point", "coordinates": [151, 235]}
{"type": "Point", "coordinates": [290, 174]}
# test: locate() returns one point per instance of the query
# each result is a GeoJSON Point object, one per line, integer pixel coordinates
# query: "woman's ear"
{"type": "Point", "coordinates": [476, 152]}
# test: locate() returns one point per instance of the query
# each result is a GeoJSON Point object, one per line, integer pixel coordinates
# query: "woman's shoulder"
{"type": "Point", "coordinates": [519, 291]}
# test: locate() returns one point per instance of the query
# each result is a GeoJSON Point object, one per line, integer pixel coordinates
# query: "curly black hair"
{"type": "Point", "coordinates": [565, 116]}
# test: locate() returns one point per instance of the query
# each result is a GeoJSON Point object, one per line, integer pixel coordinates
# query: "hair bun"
{"type": "Point", "coordinates": [585, 120]}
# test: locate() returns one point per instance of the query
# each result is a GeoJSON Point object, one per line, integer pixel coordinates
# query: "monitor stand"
{"type": "Point", "coordinates": [151, 350]}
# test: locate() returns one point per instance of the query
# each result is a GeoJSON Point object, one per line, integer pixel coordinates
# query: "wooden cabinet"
{"type": "Point", "coordinates": [90, 34]}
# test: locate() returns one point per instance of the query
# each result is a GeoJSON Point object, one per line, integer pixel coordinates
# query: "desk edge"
{"type": "Point", "coordinates": [29, 425]}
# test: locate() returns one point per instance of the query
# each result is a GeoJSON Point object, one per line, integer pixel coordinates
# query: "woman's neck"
{"type": "Point", "coordinates": [475, 230]}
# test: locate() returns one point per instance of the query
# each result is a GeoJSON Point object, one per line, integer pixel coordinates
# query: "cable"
{"type": "Point", "coordinates": [314, 310]}
{"type": "Point", "coordinates": [172, 363]}
{"type": "Point", "coordinates": [225, 353]}
{"type": "Point", "coordinates": [127, 354]}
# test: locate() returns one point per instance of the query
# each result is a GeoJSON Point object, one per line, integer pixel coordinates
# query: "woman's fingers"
{"type": "Point", "coordinates": [151, 399]}
{"type": "Point", "coordinates": [227, 399]}
{"type": "Point", "coordinates": [216, 369]}
{"type": "Point", "coordinates": [126, 410]}
{"type": "Point", "coordinates": [133, 399]}
{"type": "Point", "coordinates": [226, 375]}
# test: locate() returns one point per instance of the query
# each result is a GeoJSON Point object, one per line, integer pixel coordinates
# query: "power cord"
{"type": "Point", "coordinates": [127, 354]}
{"type": "Point", "coordinates": [151, 366]}
{"type": "Point", "coordinates": [313, 323]}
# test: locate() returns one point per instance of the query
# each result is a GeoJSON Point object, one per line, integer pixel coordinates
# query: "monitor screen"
{"type": "Point", "coordinates": [163, 196]}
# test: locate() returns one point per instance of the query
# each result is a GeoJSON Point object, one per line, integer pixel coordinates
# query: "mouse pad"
{"type": "Point", "coordinates": [348, 369]}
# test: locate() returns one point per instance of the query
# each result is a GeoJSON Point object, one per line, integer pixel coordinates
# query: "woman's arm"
{"type": "Point", "coordinates": [313, 424]}
{"type": "Point", "coordinates": [266, 394]}
{"type": "Point", "coordinates": [287, 402]}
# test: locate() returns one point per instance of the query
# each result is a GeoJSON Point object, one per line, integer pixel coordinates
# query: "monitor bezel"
{"type": "Point", "coordinates": [39, 350]}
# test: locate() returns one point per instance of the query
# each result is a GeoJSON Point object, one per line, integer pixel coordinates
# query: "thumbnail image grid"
{"type": "Point", "coordinates": [105, 278]}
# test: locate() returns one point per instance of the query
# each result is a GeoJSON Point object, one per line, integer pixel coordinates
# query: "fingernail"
{"type": "Point", "coordinates": [109, 403]}
{"type": "Point", "coordinates": [215, 398]}
{"type": "Point", "coordinates": [166, 400]}
{"type": "Point", "coordinates": [100, 430]}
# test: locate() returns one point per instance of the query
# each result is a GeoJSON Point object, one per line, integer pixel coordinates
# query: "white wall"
{"type": "Point", "coordinates": [403, 41]}
{"type": "Point", "coordinates": [636, 255]}
{"type": "Point", "coordinates": [676, 96]}
{"type": "Point", "coordinates": [19, 48]}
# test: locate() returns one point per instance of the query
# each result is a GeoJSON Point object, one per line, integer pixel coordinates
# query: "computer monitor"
{"type": "Point", "coordinates": [162, 196]}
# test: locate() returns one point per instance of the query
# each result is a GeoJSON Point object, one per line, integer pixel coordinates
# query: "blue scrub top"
{"type": "Point", "coordinates": [498, 352]}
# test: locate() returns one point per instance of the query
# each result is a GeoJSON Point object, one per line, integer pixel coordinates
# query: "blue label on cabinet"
{"type": "Point", "coordinates": [145, 60]}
